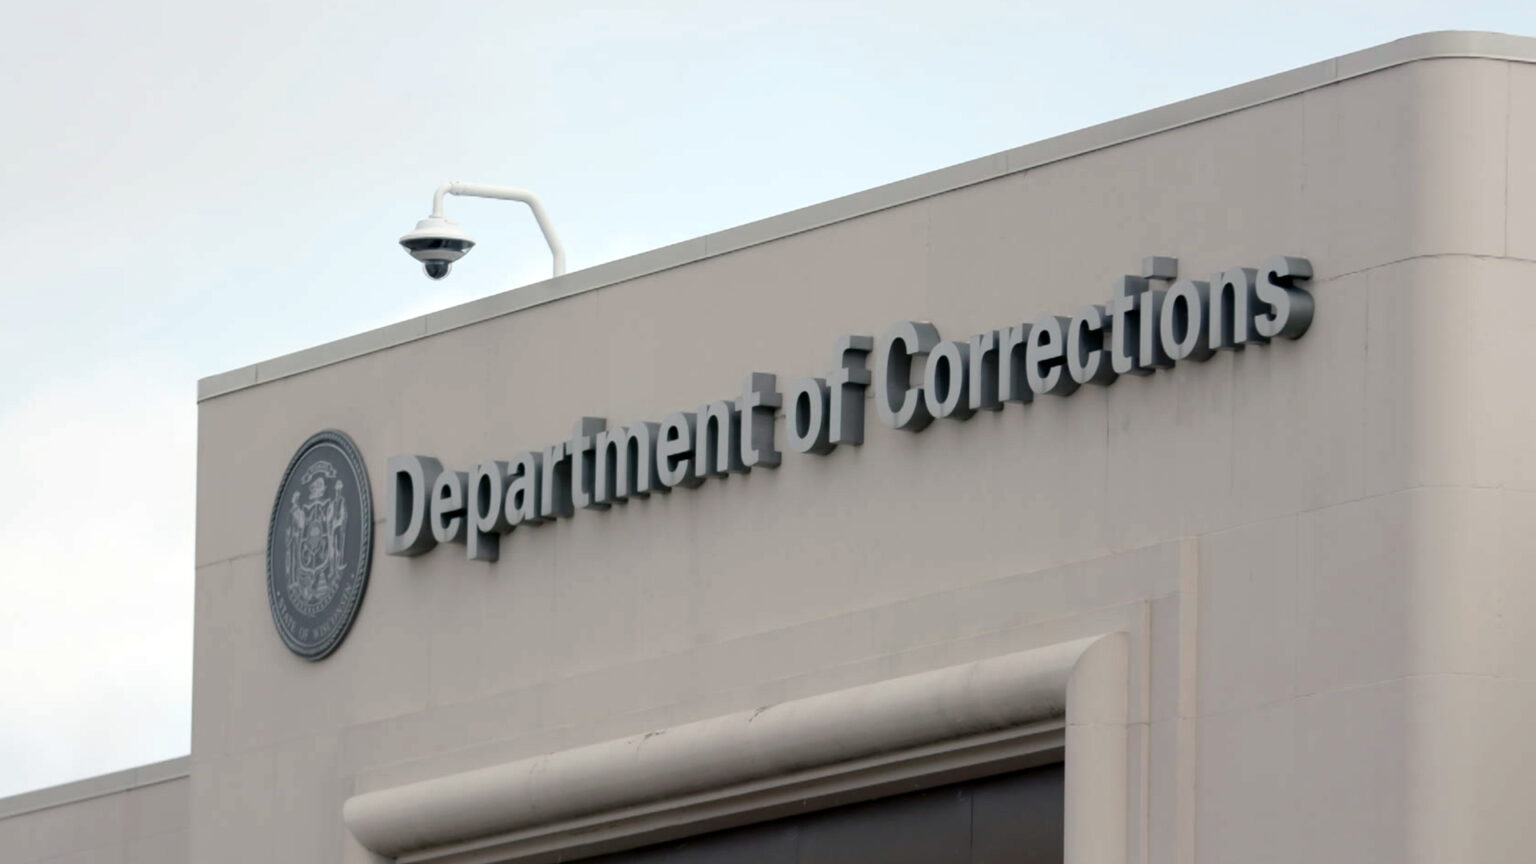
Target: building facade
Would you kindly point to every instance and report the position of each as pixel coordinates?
(1161, 492)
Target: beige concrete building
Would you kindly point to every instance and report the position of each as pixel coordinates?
(1270, 605)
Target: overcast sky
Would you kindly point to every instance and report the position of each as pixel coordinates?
(188, 187)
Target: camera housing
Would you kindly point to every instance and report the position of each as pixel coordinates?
(437, 243)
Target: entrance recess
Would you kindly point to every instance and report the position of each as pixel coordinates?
(1060, 703)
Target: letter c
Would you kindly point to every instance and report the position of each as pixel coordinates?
(899, 404)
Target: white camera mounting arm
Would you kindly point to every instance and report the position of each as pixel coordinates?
(505, 193)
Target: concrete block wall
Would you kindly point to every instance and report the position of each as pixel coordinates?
(138, 816)
(1317, 546)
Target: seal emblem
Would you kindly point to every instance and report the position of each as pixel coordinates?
(319, 545)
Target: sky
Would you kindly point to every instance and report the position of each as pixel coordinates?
(191, 187)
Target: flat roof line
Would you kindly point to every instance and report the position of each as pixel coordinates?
(1425, 46)
(96, 787)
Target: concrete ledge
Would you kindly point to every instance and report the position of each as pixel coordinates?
(96, 787)
(936, 727)
(1426, 46)
(335, 352)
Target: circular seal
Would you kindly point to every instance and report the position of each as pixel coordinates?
(319, 545)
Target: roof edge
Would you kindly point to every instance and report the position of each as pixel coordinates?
(99, 786)
(1444, 44)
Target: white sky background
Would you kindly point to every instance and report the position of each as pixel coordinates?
(188, 187)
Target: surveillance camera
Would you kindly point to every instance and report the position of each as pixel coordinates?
(437, 243)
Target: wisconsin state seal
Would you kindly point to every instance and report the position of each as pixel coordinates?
(319, 545)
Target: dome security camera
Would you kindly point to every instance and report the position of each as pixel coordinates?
(437, 243)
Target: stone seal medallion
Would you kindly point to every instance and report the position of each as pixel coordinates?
(319, 545)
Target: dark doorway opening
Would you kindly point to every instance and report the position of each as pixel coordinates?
(1013, 818)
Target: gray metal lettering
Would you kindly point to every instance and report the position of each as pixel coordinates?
(1141, 328)
(447, 509)
(555, 496)
(1045, 361)
(1154, 353)
(848, 383)
(1182, 322)
(1087, 361)
(1149, 315)
(607, 448)
(1290, 305)
(1012, 383)
(946, 381)
(584, 461)
(487, 520)
(523, 481)
(411, 479)
(717, 452)
(674, 451)
(759, 401)
(1233, 296)
(1124, 325)
(626, 463)
(809, 407)
(899, 404)
(982, 394)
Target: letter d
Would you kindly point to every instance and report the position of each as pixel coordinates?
(410, 482)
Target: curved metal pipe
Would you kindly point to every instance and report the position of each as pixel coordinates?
(506, 193)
